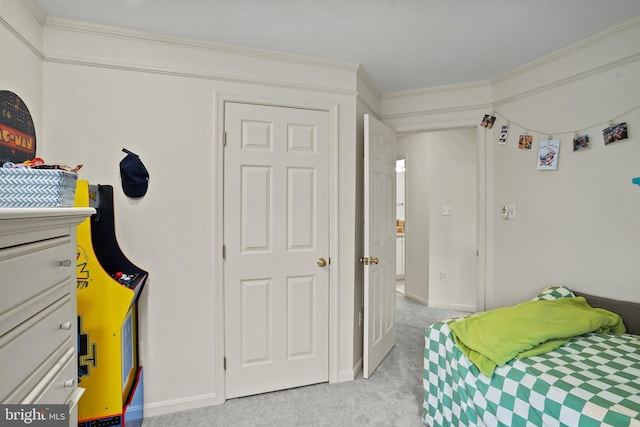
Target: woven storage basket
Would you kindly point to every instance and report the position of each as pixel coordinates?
(37, 188)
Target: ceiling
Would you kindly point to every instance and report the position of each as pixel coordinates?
(400, 44)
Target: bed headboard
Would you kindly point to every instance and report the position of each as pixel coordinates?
(629, 311)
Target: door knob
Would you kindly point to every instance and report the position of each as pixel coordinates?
(322, 262)
(374, 260)
(364, 260)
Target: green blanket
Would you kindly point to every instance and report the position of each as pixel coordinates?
(494, 337)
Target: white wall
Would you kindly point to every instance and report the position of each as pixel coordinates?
(21, 72)
(173, 122)
(101, 89)
(416, 226)
(441, 170)
(577, 225)
(452, 164)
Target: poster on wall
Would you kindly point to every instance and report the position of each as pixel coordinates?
(615, 133)
(548, 154)
(17, 132)
(580, 142)
(525, 142)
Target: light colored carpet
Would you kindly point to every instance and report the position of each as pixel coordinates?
(392, 396)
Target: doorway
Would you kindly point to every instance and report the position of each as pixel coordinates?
(400, 222)
(441, 263)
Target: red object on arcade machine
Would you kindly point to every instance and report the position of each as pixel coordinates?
(109, 286)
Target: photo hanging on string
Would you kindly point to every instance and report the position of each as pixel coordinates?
(525, 142)
(615, 133)
(548, 154)
(580, 142)
(504, 134)
(487, 121)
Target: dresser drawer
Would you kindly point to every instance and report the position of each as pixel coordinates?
(26, 351)
(59, 384)
(33, 276)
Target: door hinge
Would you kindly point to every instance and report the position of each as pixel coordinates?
(224, 362)
(224, 251)
(224, 139)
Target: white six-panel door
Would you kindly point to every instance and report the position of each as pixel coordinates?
(379, 243)
(276, 237)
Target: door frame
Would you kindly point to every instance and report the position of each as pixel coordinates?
(219, 101)
(403, 156)
(484, 227)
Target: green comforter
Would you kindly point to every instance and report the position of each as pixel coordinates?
(494, 337)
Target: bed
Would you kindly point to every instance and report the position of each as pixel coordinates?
(593, 379)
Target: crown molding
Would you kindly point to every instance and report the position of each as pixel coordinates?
(34, 10)
(438, 111)
(134, 35)
(568, 80)
(569, 50)
(366, 80)
(198, 75)
(37, 14)
(436, 126)
(436, 90)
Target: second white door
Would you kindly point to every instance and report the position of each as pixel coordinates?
(276, 221)
(379, 243)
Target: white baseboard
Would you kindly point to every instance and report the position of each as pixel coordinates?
(414, 298)
(448, 306)
(357, 369)
(170, 406)
(347, 374)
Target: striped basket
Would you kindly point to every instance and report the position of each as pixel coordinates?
(37, 188)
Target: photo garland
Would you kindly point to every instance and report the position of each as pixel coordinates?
(549, 149)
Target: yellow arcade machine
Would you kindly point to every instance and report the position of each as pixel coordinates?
(108, 289)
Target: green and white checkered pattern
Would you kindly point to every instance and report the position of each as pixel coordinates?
(594, 380)
(554, 292)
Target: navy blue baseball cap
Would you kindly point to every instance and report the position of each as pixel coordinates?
(135, 178)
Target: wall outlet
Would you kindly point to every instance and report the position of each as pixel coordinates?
(509, 212)
(445, 210)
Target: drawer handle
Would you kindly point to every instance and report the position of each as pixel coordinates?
(65, 263)
(66, 326)
(69, 383)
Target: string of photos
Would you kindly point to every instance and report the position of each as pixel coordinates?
(549, 149)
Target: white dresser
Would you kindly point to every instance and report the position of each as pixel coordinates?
(38, 314)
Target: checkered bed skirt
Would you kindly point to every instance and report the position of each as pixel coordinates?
(593, 380)
(36, 188)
